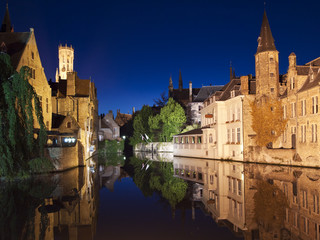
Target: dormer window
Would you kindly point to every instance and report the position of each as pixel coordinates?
(232, 93)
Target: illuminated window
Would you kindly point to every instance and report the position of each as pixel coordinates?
(314, 129)
(315, 105)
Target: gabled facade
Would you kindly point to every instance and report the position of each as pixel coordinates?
(23, 51)
(108, 128)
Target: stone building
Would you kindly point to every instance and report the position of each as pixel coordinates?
(23, 51)
(77, 98)
(298, 90)
(108, 128)
(223, 119)
(191, 99)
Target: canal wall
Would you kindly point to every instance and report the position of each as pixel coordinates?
(280, 156)
(64, 158)
(154, 147)
(158, 157)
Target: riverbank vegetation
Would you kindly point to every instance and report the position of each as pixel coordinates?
(161, 127)
(21, 146)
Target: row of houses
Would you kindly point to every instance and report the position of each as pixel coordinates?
(226, 120)
(69, 105)
(256, 201)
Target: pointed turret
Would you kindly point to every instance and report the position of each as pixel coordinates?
(267, 62)
(170, 84)
(180, 81)
(6, 23)
(265, 40)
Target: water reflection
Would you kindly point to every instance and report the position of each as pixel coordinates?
(54, 206)
(253, 201)
(257, 201)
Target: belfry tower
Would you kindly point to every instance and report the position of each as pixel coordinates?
(66, 57)
(267, 62)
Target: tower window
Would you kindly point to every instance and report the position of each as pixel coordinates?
(32, 55)
(271, 74)
(272, 89)
(271, 59)
(68, 124)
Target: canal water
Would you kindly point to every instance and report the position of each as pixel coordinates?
(161, 197)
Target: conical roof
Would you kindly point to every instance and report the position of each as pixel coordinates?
(265, 40)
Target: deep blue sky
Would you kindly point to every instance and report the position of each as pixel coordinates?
(130, 47)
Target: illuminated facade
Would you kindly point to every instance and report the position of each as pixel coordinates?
(23, 51)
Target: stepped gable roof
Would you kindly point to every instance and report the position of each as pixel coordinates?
(192, 132)
(265, 40)
(205, 92)
(14, 45)
(311, 84)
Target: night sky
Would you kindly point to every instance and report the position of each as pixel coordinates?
(129, 48)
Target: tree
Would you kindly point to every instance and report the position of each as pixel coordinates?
(267, 120)
(162, 101)
(169, 122)
(19, 146)
(141, 126)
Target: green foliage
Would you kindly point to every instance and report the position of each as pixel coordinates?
(158, 177)
(17, 98)
(190, 127)
(111, 159)
(141, 125)
(40, 164)
(111, 146)
(169, 122)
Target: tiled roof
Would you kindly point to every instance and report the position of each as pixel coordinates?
(205, 92)
(266, 41)
(192, 132)
(15, 44)
(122, 118)
(314, 62)
(304, 70)
(228, 87)
(310, 84)
(82, 87)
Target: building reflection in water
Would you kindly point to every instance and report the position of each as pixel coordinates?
(71, 210)
(256, 201)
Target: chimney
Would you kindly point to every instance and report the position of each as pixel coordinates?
(244, 85)
(190, 91)
(133, 110)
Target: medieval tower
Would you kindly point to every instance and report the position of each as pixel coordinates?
(266, 62)
(66, 56)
